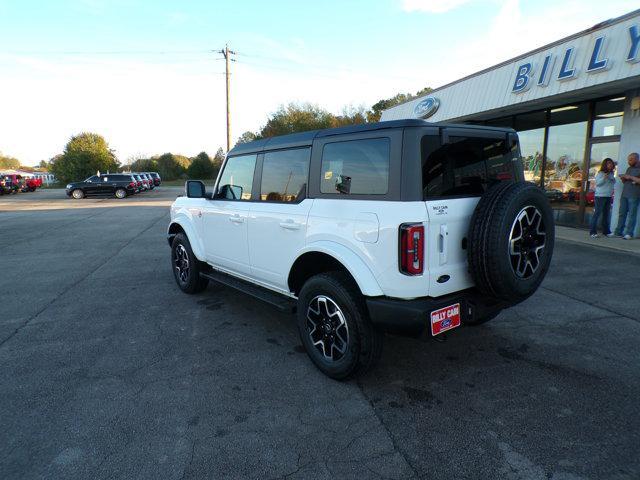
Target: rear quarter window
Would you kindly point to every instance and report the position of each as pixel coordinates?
(465, 166)
(356, 167)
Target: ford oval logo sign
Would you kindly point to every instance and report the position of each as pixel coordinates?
(427, 107)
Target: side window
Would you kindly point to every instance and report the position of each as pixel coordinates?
(105, 179)
(284, 175)
(95, 178)
(237, 178)
(464, 166)
(356, 167)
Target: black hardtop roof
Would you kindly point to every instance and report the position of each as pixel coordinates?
(304, 139)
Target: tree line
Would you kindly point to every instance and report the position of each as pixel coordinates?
(88, 153)
(295, 118)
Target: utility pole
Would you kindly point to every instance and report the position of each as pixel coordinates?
(227, 57)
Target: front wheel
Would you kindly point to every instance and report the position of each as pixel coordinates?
(334, 326)
(186, 268)
(77, 194)
(121, 193)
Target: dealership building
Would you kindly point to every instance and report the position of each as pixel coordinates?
(573, 102)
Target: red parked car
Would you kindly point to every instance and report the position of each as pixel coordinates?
(31, 183)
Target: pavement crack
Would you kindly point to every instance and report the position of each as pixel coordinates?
(591, 304)
(188, 465)
(392, 439)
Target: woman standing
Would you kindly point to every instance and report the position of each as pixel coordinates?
(605, 180)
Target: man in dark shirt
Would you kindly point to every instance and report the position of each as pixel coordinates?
(630, 198)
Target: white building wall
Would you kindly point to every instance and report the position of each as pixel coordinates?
(492, 89)
(629, 142)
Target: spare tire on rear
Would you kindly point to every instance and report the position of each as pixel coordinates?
(511, 239)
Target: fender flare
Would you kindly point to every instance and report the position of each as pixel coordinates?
(195, 241)
(358, 269)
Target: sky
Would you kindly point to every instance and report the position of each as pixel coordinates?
(147, 74)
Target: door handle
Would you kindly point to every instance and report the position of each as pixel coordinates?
(236, 219)
(443, 240)
(290, 225)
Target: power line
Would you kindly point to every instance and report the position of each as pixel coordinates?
(104, 52)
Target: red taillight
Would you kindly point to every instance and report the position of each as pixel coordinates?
(412, 248)
(132, 184)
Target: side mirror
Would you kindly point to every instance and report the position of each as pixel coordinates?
(230, 192)
(195, 189)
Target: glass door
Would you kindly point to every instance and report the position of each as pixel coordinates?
(598, 151)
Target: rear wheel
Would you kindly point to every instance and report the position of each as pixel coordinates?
(77, 194)
(185, 265)
(121, 193)
(334, 326)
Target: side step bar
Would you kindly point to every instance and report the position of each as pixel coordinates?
(281, 302)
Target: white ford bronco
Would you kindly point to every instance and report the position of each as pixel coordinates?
(405, 227)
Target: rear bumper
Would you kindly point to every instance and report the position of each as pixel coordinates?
(412, 317)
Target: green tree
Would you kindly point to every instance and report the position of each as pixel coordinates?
(350, 116)
(9, 162)
(183, 162)
(217, 162)
(247, 137)
(84, 155)
(376, 110)
(296, 118)
(201, 167)
(144, 165)
(169, 167)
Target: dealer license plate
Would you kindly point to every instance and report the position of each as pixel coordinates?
(445, 319)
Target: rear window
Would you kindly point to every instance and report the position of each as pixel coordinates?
(466, 166)
(356, 167)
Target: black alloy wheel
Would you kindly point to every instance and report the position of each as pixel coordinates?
(334, 326)
(186, 267)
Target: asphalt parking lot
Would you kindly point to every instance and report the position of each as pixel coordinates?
(107, 370)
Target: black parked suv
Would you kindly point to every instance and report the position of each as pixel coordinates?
(113, 184)
(5, 185)
(156, 178)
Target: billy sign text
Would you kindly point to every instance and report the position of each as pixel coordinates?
(598, 61)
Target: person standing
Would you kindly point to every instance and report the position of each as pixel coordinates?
(605, 180)
(630, 198)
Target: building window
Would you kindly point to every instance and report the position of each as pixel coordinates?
(565, 159)
(531, 128)
(608, 117)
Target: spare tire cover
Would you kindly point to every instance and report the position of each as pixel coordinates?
(511, 238)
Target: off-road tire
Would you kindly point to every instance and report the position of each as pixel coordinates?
(491, 234)
(364, 342)
(193, 283)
